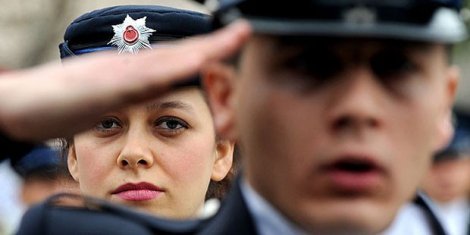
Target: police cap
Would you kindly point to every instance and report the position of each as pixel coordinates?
(41, 158)
(129, 28)
(418, 20)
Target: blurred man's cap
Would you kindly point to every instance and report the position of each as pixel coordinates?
(418, 20)
(459, 147)
(41, 158)
(130, 28)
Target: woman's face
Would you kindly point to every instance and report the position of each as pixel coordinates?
(159, 156)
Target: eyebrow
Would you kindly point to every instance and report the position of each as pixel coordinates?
(170, 105)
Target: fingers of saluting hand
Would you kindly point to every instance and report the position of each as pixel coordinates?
(184, 58)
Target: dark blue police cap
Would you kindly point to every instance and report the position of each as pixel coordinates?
(39, 158)
(418, 20)
(459, 146)
(130, 28)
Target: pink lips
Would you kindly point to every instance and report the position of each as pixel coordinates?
(137, 192)
(354, 174)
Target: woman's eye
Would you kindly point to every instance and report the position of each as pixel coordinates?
(108, 124)
(171, 124)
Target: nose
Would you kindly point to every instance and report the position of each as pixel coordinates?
(136, 153)
(357, 102)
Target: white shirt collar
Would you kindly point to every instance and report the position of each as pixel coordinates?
(267, 219)
(411, 219)
(455, 215)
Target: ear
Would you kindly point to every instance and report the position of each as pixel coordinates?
(223, 159)
(72, 163)
(218, 81)
(445, 125)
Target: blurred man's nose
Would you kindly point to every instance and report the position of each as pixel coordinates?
(356, 103)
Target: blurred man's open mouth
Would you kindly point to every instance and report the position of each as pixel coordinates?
(352, 174)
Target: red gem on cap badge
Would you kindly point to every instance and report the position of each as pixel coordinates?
(132, 35)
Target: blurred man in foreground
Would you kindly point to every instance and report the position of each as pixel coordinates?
(338, 107)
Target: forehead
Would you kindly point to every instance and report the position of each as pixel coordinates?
(340, 43)
(192, 96)
(188, 99)
(271, 50)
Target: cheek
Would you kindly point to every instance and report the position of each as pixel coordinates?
(190, 162)
(275, 124)
(94, 165)
(414, 133)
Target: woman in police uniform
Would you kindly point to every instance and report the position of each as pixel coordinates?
(162, 156)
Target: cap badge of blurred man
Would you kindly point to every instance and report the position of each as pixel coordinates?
(132, 35)
(360, 15)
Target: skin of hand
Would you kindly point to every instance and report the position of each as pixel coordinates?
(59, 100)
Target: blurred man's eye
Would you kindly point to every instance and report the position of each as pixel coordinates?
(317, 64)
(392, 65)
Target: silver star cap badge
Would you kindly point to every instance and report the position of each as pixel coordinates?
(132, 35)
(360, 15)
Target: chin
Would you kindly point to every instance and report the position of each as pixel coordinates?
(349, 225)
(348, 218)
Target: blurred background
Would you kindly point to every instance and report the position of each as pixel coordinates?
(33, 29)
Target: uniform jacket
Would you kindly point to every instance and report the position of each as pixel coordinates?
(235, 218)
(101, 217)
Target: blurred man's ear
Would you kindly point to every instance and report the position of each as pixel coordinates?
(446, 127)
(219, 83)
(446, 130)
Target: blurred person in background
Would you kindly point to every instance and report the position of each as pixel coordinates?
(448, 181)
(43, 172)
(36, 27)
(30, 179)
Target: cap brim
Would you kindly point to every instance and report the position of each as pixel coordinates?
(445, 27)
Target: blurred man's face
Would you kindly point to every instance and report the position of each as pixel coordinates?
(448, 180)
(336, 134)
